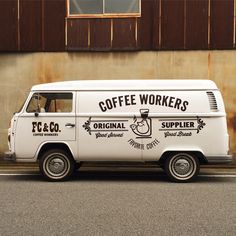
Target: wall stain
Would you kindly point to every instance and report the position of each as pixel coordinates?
(46, 71)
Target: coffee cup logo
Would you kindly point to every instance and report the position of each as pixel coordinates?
(142, 127)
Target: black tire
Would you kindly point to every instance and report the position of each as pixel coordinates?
(56, 165)
(77, 165)
(182, 167)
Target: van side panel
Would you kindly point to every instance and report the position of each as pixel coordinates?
(142, 125)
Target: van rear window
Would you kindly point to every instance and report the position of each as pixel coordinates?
(50, 102)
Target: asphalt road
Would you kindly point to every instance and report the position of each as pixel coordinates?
(117, 203)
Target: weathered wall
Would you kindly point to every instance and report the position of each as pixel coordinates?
(18, 72)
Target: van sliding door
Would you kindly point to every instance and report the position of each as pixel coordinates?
(109, 126)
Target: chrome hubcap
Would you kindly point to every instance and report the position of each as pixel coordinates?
(56, 165)
(182, 166)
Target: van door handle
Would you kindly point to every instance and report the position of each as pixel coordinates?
(69, 125)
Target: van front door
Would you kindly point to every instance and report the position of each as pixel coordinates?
(49, 117)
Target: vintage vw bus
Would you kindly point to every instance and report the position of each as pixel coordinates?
(178, 124)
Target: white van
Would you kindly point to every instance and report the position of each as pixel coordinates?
(179, 124)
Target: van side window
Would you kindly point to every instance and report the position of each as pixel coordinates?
(50, 102)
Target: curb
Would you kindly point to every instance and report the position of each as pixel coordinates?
(12, 165)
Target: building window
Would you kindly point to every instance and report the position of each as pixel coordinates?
(104, 8)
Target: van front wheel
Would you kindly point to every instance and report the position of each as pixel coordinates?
(56, 165)
(182, 167)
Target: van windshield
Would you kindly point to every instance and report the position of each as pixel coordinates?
(21, 107)
(50, 102)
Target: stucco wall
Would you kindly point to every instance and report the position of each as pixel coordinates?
(18, 72)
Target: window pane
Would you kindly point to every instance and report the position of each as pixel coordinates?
(86, 7)
(36, 103)
(121, 6)
(50, 102)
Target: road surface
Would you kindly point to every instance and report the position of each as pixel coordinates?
(117, 203)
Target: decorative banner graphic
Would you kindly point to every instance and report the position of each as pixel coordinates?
(181, 127)
(106, 128)
(141, 127)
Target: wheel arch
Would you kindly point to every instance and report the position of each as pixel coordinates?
(53, 145)
(198, 153)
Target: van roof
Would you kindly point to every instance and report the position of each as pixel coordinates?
(102, 85)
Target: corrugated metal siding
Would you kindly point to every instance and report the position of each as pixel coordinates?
(196, 24)
(78, 34)
(42, 25)
(54, 14)
(172, 24)
(100, 34)
(146, 25)
(124, 34)
(156, 24)
(222, 22)
(8, 25)
(30, 25)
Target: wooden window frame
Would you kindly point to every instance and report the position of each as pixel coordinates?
(103, 15)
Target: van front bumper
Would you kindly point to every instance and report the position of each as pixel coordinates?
(226, 159)
(9, 156)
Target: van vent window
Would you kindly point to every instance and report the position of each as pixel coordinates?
(212, 101)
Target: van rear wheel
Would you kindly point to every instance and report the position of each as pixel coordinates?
(182, 167)
(56, 165)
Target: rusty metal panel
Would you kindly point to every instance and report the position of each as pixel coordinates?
(196, 24)
(8, 25)
(172, 24)
(148, 24)
(78, 34)
(100, 34)
(221, 24)
(124, 34)
(30, 25)
(54, 13)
